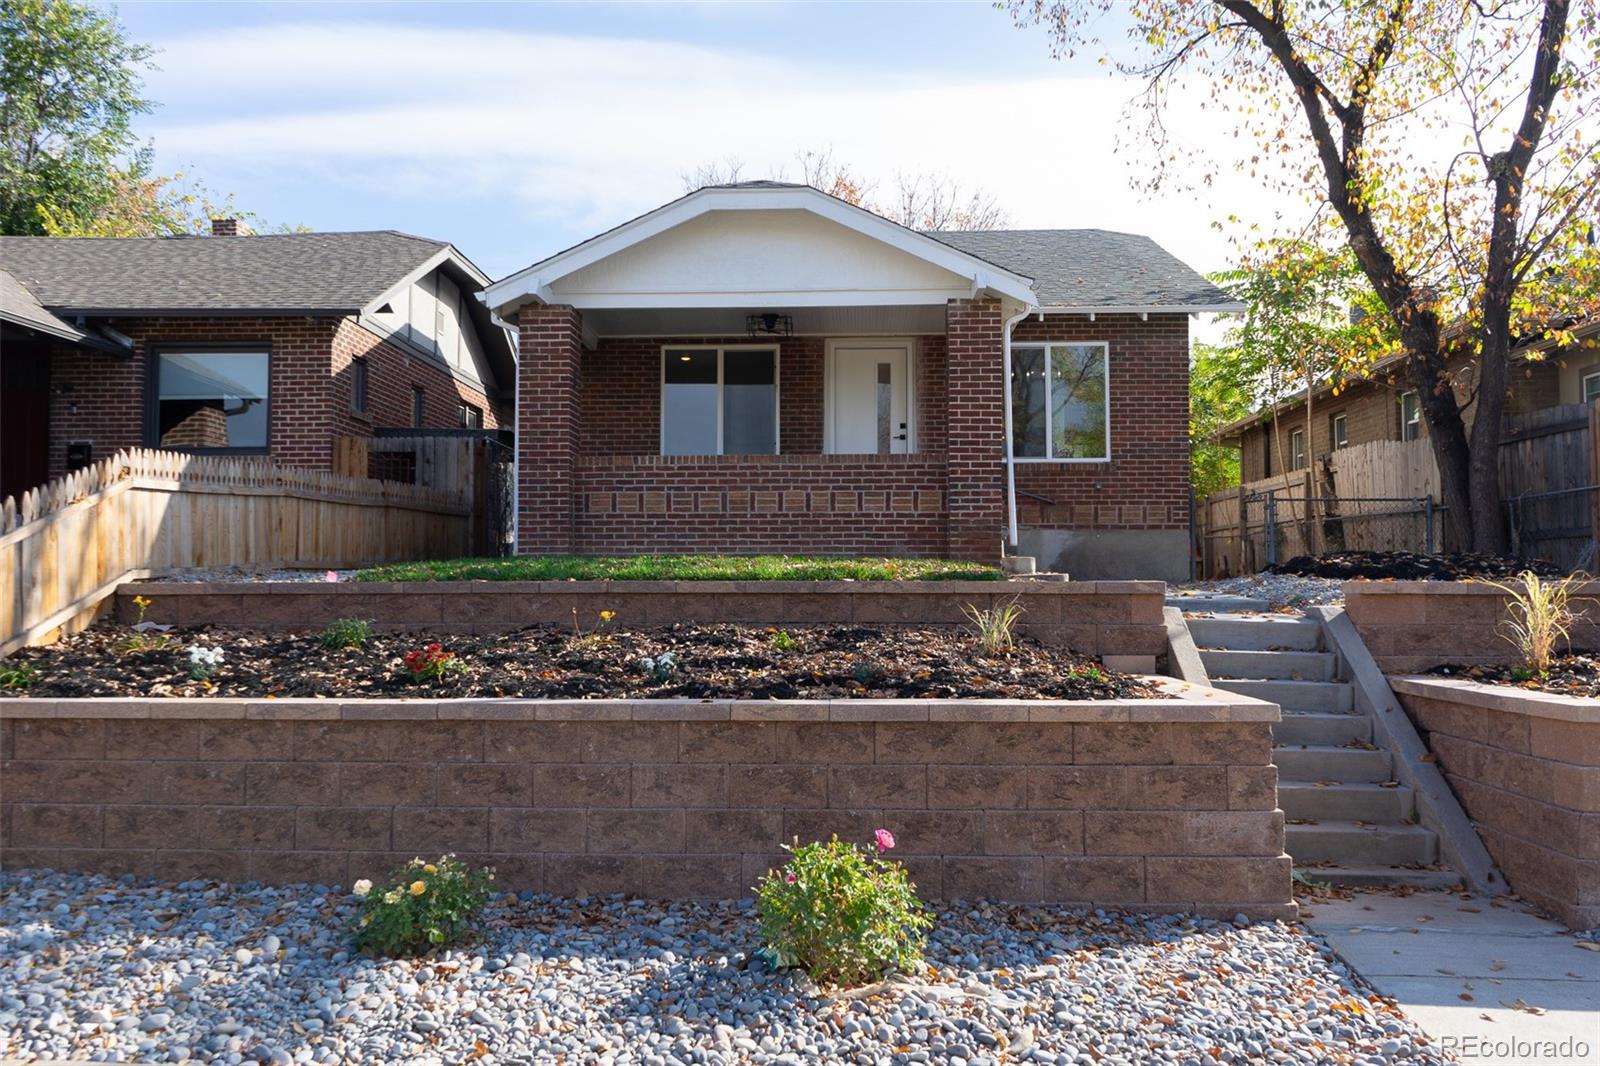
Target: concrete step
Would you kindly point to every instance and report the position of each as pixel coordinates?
(1217, 602)
(1284, 665)
(1257, 633)
(1344, 843)
(1428, 880)
(1336, 696)
(1358, 801)
(1331, 764)
(1320, 729)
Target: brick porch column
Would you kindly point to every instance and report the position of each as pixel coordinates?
(974, 452)
(549, 339)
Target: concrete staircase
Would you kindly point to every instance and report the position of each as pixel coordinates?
(1348, 821)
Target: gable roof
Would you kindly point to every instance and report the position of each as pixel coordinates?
(18, 306)
(1094, 269)
(533, 283)
(283, 273)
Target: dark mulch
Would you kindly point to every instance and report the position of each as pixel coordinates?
(1577, 674)
(1410, 566)
(712, 661)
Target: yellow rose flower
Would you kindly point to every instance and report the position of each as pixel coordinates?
(418, 887)
(430, 868)
(392, 896)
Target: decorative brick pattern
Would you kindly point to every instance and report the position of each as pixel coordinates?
(102, 398)
(1526, 767)
(1121, 618)
(569, 798)
(1412, 626)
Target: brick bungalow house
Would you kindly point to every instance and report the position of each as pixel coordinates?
(1384, 405)
(763, 367)
(237, 344)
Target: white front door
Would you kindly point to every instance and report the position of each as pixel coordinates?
(869, 398)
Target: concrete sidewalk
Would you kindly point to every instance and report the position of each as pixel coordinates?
(1467, 970)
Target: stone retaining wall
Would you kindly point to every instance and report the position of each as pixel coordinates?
(1120, 621)
(1526, 766)
(1146, 804)
(1411, 626)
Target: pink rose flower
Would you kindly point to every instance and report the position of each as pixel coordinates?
(331, 575)
(788, 877)
(884, 839)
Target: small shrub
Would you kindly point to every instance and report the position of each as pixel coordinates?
(346, 633)
(17, 675)
(431, 663)
(204, 662)
(995, 626)
(426, 905)
(660, 668)
(1538, 617)
(782, 641)
(843, 915)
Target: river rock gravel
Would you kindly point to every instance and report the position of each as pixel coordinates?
(118, 970)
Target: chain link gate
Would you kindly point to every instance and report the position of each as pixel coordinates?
(1276, 528)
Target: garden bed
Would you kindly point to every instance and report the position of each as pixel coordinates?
(686, 661)
(150, 971)
(1575, 675)
(1411, 566)
(683, 568)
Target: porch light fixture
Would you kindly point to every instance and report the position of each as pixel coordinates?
(769, 324)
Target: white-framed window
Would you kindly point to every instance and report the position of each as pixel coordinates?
(719, 400)
(1410, 416)
(1297, 450)
(1061, 402)
(1591, 386)
(1339, 431)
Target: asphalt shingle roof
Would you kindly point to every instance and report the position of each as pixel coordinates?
(1090, 267)
(310, 272)
(18, 305)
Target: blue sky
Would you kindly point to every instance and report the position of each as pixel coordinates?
(515, 130)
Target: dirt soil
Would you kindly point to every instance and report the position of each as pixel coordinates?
(1410, 566)
(707, 661)
(1577, 674)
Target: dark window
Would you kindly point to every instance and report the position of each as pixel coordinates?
(1340, 431)
(1266, 453)
(358, 386)
(469, 416)
(211, 400)
(418, 405)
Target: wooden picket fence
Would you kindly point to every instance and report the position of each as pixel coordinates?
(67, 545)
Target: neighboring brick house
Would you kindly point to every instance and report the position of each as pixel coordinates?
(237, 344)
(1384, 406)
(763, 367)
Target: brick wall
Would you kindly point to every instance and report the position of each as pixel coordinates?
(974, 428)
(672, 801)
(1146, 483)
(392, 372)
(881, 505)
(549, 339)
(102, 398)
(1410, 626)
(1526, 768)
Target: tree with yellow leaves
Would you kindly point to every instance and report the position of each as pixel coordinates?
(1450, 145)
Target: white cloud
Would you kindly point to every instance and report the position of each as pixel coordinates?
(579, 133)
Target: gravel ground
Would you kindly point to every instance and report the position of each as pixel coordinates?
(234, 573)
(110, 970)
(1279, 590)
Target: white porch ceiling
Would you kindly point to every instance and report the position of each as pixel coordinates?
(890, 321)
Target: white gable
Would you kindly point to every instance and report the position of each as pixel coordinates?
(757, 247)
(738, 258)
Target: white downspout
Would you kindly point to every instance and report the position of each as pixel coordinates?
(1011, 462)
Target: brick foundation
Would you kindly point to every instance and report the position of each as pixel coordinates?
(1106, 618)
(1526, 767)
(1411, 626)
(1153, 804)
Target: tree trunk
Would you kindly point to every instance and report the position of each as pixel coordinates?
(1488, 523)
(1447, 433)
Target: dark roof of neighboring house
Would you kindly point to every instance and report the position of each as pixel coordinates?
(282, 273)
(1091, 267)
(19, 306)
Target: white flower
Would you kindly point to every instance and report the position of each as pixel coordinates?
(200, 655)
(361, 887)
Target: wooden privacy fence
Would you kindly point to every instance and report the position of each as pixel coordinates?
(1384, 496)
(476, 466)
(64, 547)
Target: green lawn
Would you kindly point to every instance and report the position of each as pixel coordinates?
(682, 568)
